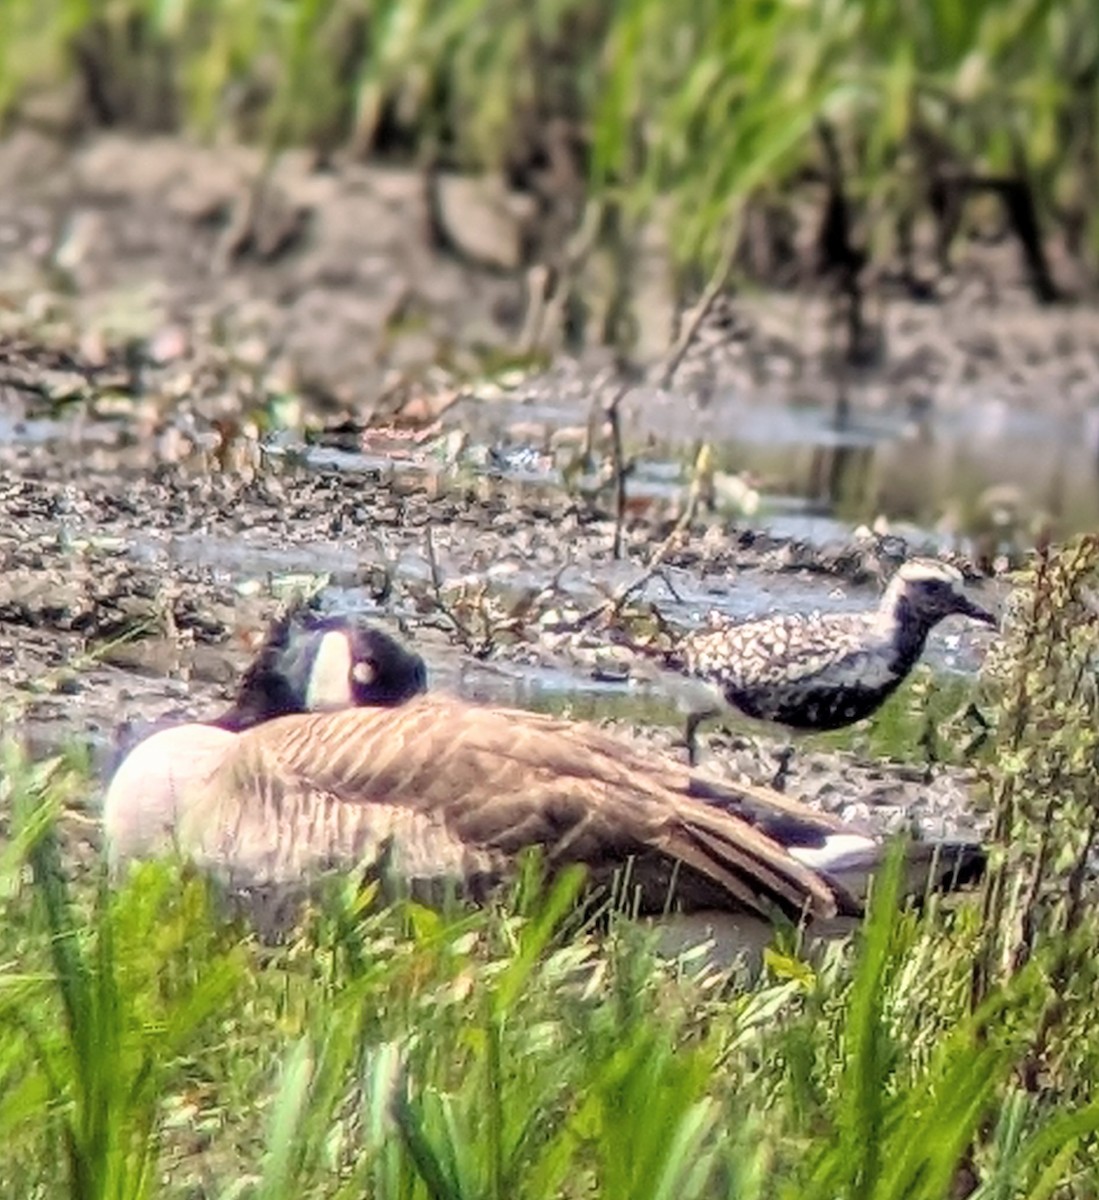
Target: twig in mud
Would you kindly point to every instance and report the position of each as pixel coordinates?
(663, 625)
(432, 561)
(695, 494)
(614, 603)
(656, 559)
(460, 627)
(481, 635)
(621, 469)
(654, 570)
(48, 682)
(20, 383)
(693, 322)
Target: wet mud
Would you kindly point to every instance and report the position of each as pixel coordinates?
(193, 429)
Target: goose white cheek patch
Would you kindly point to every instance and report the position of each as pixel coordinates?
(330, 678)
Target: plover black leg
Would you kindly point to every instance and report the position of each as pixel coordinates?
(690, 735)
(785, 757)
(929, 744)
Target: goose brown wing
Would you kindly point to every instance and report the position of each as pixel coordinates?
(450, 789)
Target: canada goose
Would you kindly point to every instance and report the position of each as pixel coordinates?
(312, 663)
(443, 795)
(820, 670)
(306, 663)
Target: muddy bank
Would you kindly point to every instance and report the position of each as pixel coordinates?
(348, 273)
(132, 597)
(204, 407)
(170, 293)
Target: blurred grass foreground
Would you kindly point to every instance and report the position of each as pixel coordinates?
(149, 1046)
(726, 119)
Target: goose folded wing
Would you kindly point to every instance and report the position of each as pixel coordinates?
(446, 790)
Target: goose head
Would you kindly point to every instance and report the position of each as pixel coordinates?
(306, 663)
(924, 591)
(310, 663)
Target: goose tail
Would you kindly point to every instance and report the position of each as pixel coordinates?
(845, 856)
(757, 870)
(852, 860)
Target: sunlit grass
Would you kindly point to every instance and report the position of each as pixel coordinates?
(151, 1049)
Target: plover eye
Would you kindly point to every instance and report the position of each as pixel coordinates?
(364, 672)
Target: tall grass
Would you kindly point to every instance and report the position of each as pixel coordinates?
(96, 1025)
(698, 110)
(150, 1046)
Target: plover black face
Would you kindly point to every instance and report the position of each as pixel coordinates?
(926, 591)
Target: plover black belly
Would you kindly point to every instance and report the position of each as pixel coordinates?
(808, 672)
(824, 671)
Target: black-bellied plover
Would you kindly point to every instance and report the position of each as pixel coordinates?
(439, 796)
(306, 663)
(821, 671)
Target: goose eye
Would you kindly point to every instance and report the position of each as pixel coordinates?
(364, 672)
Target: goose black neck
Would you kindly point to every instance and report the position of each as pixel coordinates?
(263, 695)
